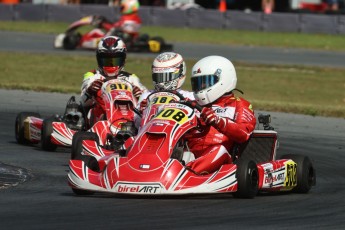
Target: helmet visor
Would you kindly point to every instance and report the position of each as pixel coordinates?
(165, 77)
(111, 61)
(203, 82)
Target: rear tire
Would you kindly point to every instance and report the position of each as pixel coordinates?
(306, 176)
(77, 148)
(247, 179)
(19, 126)
(47, 130)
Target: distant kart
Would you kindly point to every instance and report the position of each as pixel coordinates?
(58, 130)
(73, 39)
(154, 161)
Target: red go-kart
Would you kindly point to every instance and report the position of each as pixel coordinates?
(57, 130)
(153, 162)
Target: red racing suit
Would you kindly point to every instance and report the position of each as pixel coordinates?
(128, 23)
(212, 144)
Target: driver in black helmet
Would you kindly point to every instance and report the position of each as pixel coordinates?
(111, 57)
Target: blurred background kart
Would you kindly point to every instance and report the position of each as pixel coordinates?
(73, 38)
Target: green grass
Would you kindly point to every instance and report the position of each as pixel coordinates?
(305, 90)
(212, 36)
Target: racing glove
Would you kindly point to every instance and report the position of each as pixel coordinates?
(137, 91)
(143, 105)
(211, 118)
(94, 87)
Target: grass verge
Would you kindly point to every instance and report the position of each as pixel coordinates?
(293, 89)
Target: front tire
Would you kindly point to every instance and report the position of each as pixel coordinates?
(19, 126)
(247, 179)
(77, 148)
(306, 176)
(47, 130)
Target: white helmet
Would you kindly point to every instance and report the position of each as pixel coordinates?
(168, 71)
(212, 77)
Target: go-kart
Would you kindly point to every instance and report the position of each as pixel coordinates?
(58, 130)
(153, 162)
(73, 39)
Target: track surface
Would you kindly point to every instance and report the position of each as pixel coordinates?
(45, 201)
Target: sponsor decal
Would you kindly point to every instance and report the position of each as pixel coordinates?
(138, 188)
(291, 174)
(35, 133)
(270, 179)
(161, 122)
(224, 112)
(142, 166)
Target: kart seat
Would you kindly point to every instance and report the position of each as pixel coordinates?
(261, 147)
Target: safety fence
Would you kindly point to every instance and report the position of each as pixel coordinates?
(191, 18)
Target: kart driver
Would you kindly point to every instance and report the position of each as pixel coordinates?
(129, 23)
(229, 119)
(168, 73)
(111, 57)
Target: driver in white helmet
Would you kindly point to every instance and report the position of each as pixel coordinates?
(168, 74)
(229, 119)
(111, 57)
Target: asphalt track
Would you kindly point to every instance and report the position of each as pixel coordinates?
(43, 200)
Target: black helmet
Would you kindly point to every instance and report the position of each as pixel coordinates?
(111, 56)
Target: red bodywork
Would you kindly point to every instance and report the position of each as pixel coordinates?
(118, 102)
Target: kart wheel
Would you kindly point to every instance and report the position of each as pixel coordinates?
(47, 130)
(81, 192)
(306, 176)
(19, 126)
(77, 149)
(71, 41)
(247, 179)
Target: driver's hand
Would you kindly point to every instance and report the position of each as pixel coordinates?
(209, 116)
(94, 87)
(137, 91)
(143, 105)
